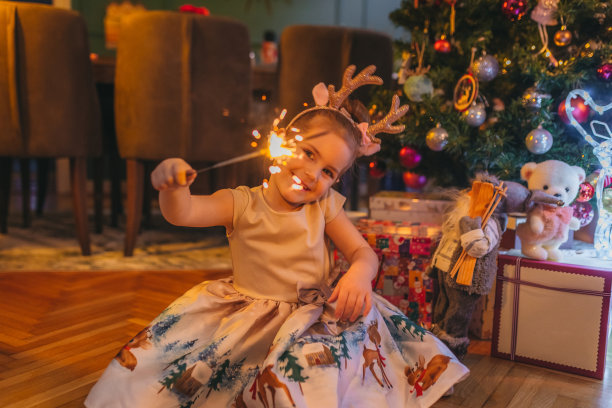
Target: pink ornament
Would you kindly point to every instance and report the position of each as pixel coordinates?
(409, 157)
(514, 9)
(414, 180)
(586, 192)
(584, 212)
(604, 72)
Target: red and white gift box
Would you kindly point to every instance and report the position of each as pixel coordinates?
(552, 315)
(409, 207)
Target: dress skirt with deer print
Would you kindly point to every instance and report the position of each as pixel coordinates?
(216, 346)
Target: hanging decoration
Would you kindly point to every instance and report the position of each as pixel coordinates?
(418, 84)
(514, 9)
(452, 3)
(545, 14)
(475, 115)
(404, 70)
(532, 98)
(604, 72)
(436, 138)
(485, 68)
(563, 37)
(580, 111)
(584, 212)
(414, 180)
(377, 169)
(539, 140)
(466, 89)
(600, 138)
(409, 157)
(586, 192)
(442, 45)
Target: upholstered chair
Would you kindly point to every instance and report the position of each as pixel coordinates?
(182, 89)
(48, 103)
(310, 54)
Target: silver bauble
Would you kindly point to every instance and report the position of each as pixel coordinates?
(475, 115)
(416, 86)
(532, 98)
(485, 68)
(539, 140)
(436, 138)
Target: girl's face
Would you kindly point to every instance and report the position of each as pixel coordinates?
(310, 172)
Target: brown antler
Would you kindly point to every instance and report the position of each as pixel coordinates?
(349, 84)
(385, 125)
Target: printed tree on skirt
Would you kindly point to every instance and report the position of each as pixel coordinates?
(542, 53)
(290, 366)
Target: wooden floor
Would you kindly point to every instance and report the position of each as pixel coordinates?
(59, 330)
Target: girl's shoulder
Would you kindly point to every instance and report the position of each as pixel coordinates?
(331, 204)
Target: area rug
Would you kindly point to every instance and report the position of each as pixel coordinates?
(50, 244)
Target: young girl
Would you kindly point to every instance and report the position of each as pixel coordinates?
(275, 334)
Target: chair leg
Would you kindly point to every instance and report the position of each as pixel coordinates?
(42, 178)
(147, 197)
(78, 178)
(115, 178)
(6, 164)
(25, 192)
(135, 190)
(98, 179)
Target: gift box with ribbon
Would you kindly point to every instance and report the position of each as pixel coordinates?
(404, 251)
(552, 315)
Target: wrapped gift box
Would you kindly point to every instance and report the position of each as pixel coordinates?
(409, 207)
(552, 315)
(404, 251)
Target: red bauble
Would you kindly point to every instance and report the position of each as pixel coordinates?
(605, 71)
(514, 9)
(442, 45)
(580, 113)
(377, 169)
(409, 157)
(414, 180)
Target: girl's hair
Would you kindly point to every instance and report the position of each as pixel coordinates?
(338, 123)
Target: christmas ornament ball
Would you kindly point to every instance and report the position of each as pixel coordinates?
(586, 192)
(475, 115)
(514, 9)
(562, 38)
(436, 138)
(539, 140)
(532, 98)
(416, 86)
(604, 72)
(485, 68)
(377, 169)
(414, 180)
(409, 157)
(580, 111)
(584, 212)
(442, 45)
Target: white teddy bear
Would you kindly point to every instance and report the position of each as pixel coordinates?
(547, 226)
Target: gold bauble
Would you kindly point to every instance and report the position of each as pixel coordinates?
(563, 38)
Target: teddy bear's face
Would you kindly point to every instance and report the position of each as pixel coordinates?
(554, 177)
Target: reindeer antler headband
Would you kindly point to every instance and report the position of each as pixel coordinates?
(328, 98)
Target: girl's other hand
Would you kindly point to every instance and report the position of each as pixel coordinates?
(171, 174)
(353, 294)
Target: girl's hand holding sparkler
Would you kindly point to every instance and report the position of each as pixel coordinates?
(171, 174)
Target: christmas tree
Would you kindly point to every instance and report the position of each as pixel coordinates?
(486, 82)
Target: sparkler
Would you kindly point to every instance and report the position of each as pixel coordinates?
(277, 148)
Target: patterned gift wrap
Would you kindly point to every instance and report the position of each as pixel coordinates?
(404, 251)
